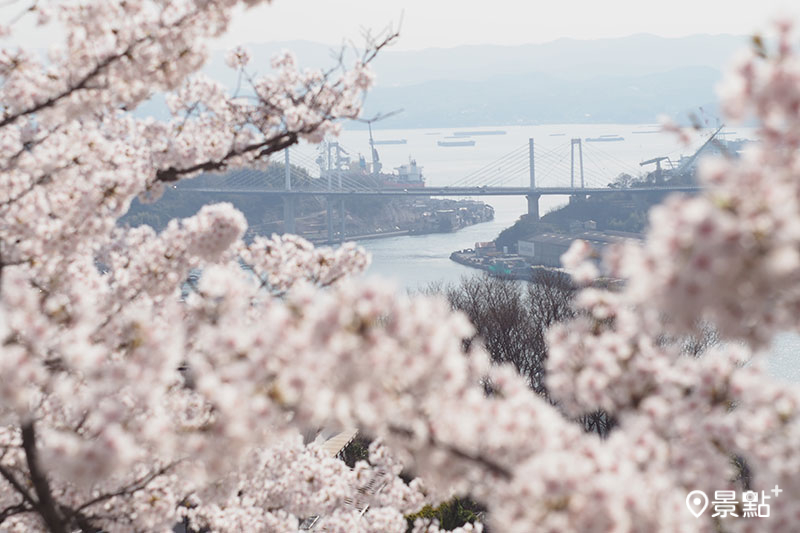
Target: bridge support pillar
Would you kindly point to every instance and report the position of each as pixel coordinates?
(289, 225)
(575, 198)
(342, 219)
(329, 217)
(533, 205)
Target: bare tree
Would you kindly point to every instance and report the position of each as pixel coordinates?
(511, 317)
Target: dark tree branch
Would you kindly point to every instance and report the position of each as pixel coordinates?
(282, 140)
(81, 84)
(267, 147)
(489, 464)
(20, 508)
(47, 507)
(86, 79)
(12, 480)
(481, 460)
(130, 489)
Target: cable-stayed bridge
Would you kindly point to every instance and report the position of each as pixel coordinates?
(573, 169)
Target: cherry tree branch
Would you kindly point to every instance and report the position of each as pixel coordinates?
(12, 480)
(12, 510)
(267, 147)
(480, 460)
(46, 506)
(285, 139)
(134, 487)
(81, 84)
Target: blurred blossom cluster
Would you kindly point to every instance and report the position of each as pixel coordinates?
(125, 406)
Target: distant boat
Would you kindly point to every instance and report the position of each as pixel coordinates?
(557, 134)
(604, 138)
(474, 133)
(391, 141)
(468, 142)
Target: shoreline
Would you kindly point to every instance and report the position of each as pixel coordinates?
(520, 272)
(387, 234)
(363, 237)
(421, 217)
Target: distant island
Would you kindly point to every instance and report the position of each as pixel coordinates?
(365, 217)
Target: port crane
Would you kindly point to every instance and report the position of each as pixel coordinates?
(684, 164)
(376, 160)
(658, 172)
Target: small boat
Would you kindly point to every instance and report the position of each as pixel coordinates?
(468, 142)
(391, 141)
(604, 138)
(557, 134)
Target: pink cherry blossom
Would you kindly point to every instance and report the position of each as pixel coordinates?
(153, 378)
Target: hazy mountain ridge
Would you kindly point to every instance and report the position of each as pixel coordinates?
(628, 79)
(537, 98)
(566, 58)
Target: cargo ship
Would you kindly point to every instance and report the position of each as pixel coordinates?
(406, 176)
(478, 132)
(336, 165)
(605, 138)
(468, 142)
(392, 141)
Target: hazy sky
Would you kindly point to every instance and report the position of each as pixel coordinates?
(447, 23)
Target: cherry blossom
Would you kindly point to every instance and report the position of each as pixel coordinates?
(157, 378)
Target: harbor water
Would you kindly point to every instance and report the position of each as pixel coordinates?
(413, 262)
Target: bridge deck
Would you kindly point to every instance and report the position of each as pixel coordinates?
(447, 191)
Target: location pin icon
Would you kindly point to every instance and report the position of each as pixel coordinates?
(697, 502)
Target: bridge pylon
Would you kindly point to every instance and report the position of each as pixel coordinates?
(533, 199)
(531, 165)
(572, 162)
